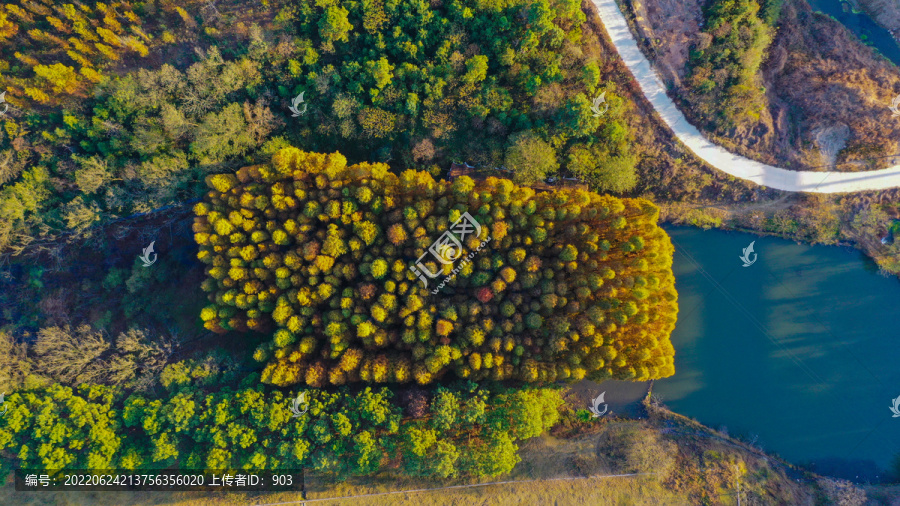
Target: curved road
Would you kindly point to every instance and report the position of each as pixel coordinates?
(717, 156)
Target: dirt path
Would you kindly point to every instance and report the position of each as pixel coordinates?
(717, 156)
(453, 487)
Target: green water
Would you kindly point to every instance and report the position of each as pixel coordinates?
(799, 349)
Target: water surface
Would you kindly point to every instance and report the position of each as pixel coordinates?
(862, 26)
(799, 350)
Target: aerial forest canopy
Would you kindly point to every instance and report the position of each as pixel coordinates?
(561, 285)
(428, 75)
(98, 129)
(724, 66)
(217, 424)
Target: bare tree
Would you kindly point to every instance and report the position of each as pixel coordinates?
(138, 352)
(87, 356)
(70, 357)
(842, 493)
(14, 363)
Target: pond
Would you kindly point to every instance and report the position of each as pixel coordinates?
(798, 351)
(862, 26)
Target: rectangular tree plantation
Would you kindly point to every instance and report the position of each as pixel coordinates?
(567, 284)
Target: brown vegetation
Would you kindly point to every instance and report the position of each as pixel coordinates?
(819, 79)
(820, 76)
(692, 193)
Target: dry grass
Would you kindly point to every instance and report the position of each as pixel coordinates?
(640, 490)
(552, 471)
(596, 490)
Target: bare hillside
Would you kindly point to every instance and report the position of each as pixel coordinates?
(828, 95)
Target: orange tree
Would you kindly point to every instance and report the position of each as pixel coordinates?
(555, 286)
(53, 48)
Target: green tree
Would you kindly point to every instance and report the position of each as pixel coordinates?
(492, 456)
(381, 72)
(444, 410)
(222, 135)
(602, 171)
(476, 69)
(94, 173)
(737, 39)
(334, 25)
(530, 158)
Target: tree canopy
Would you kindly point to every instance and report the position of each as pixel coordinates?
(92, 135)
(556, 286)
(341, 434)
(724, 67)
